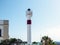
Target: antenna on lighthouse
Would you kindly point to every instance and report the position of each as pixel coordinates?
(29, 14)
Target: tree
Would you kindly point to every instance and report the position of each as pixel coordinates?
(5, 42)
(10, 41)
(47, 41)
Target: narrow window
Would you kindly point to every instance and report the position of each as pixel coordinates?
(0, 32)
(28, 21)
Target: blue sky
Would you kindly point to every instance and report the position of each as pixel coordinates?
(45, 19)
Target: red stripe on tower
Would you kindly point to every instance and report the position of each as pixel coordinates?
(28, 21)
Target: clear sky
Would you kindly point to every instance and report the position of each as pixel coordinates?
(45, 19)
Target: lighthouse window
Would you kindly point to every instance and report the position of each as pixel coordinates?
(28, 21)
(0, 32)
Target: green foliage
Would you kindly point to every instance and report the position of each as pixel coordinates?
(48, 41)
(5, 42)
(10, 41)
(53, 43)
(34, 42)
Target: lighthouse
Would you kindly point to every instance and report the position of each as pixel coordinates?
(29, 15)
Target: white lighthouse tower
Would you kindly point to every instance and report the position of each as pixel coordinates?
(29, 14)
